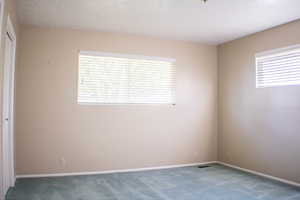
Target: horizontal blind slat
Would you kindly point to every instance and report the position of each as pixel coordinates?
(125, 80)
(277, 69)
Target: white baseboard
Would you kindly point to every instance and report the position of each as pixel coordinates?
(160, 167)
(260, 174)
(113, 171)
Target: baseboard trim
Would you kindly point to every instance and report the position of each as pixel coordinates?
(113, 171)
(260, 174)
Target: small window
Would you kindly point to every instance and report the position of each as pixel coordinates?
(278, 67)
(125, 79)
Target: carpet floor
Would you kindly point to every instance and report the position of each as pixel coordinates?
(188, 183)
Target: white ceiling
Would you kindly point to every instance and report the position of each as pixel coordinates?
(214, 22)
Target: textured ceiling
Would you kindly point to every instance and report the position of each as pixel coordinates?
(214, 22)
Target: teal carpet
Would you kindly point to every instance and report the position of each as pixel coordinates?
(187, 183)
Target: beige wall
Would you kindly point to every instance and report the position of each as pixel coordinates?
(51, 125)
(259, 129)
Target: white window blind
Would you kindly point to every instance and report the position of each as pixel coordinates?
(125, 79)
(278, 67)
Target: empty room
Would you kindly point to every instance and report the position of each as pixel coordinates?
(150, 100)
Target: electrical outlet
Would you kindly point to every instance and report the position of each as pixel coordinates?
(63, 162)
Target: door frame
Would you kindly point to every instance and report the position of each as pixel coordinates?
(10, 32)
(2, 4)
(1, 170)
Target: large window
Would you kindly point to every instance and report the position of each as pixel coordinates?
(278, 67)
(125, 79)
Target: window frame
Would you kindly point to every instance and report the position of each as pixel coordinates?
(270, 53)
(119, 55)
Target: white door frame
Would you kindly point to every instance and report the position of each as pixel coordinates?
(12, 34)
(8, 140)
(1, 17)
(1, 167)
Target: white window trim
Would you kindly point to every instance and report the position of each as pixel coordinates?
(125, 104)
(272, 52)
(141, 57)
(132, 56)
(278, 50)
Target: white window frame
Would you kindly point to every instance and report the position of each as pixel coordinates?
(270, 53)
(132, 56)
